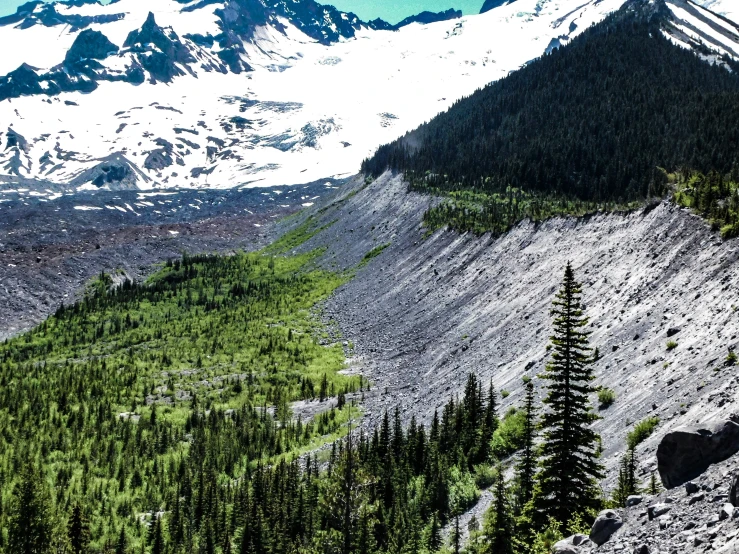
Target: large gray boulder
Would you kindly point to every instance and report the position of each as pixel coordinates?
(686, 452)
(606, 524)
(576, 544)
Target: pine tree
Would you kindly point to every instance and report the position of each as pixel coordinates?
(569, 466)
(29, 521)
(434, 540)
(457, 535)
(500, 533)
(78, 530)
(526, 466)
(157, 540)
(627, 481)
(121, 546)
(490, 422)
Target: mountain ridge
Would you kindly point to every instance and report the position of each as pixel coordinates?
(262, 127)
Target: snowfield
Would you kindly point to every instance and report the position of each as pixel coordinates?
(307, 111)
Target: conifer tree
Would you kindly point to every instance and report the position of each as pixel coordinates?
(78, 530)
(490, 422)
(500, 533)
(457, 535)
(567, 482)
(121, 545)
(434, 540)
(29, 523)
(157, 540)
(526, 466)
(627, 481)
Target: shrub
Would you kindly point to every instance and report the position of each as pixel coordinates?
(606, 397)
(505, 393)
(462, 490)
(641, 431)
(730, 358)
(484, 475)
(671, 345)
(508, 437)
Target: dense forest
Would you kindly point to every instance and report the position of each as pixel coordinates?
(141, 393)
(595, 124)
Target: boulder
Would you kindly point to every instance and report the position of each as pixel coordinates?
(691, 488)
(634, 500)
(686, 452)
(726, 512)
(657, 510)
(576, 544)
(642, 549)
(606, 524)
(734, 490)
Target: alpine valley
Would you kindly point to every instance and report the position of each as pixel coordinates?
(277, 280)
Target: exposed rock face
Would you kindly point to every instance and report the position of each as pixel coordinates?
(21, 82)
(430, 17)
(606, 524)
(687, 452)
(491, 4)
(168, 50)
(40, 13)
(90, 44)
(115, 172)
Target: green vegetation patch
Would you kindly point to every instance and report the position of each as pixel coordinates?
(713, 196)
(128, 398)
(292, 239)
(641, 431)
(480, 212)
(376, 251)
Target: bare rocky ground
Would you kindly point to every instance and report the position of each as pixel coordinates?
(682, 521)
(429, 310)
(49, 249)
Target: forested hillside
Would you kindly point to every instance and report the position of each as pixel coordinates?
(595, 123)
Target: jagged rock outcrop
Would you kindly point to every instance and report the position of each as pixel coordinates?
(687, 452)
(160, 51)
(23, 81)
(90, 44)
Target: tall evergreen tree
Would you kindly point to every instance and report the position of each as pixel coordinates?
(157, 540)
(569, 465)
(500, 533)
(457, 535)
(490, 422)
(434, 540)
(121, 545)
(78, 530)
(29, 523)
(526, 466)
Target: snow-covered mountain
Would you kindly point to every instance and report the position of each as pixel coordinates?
(160, 93)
